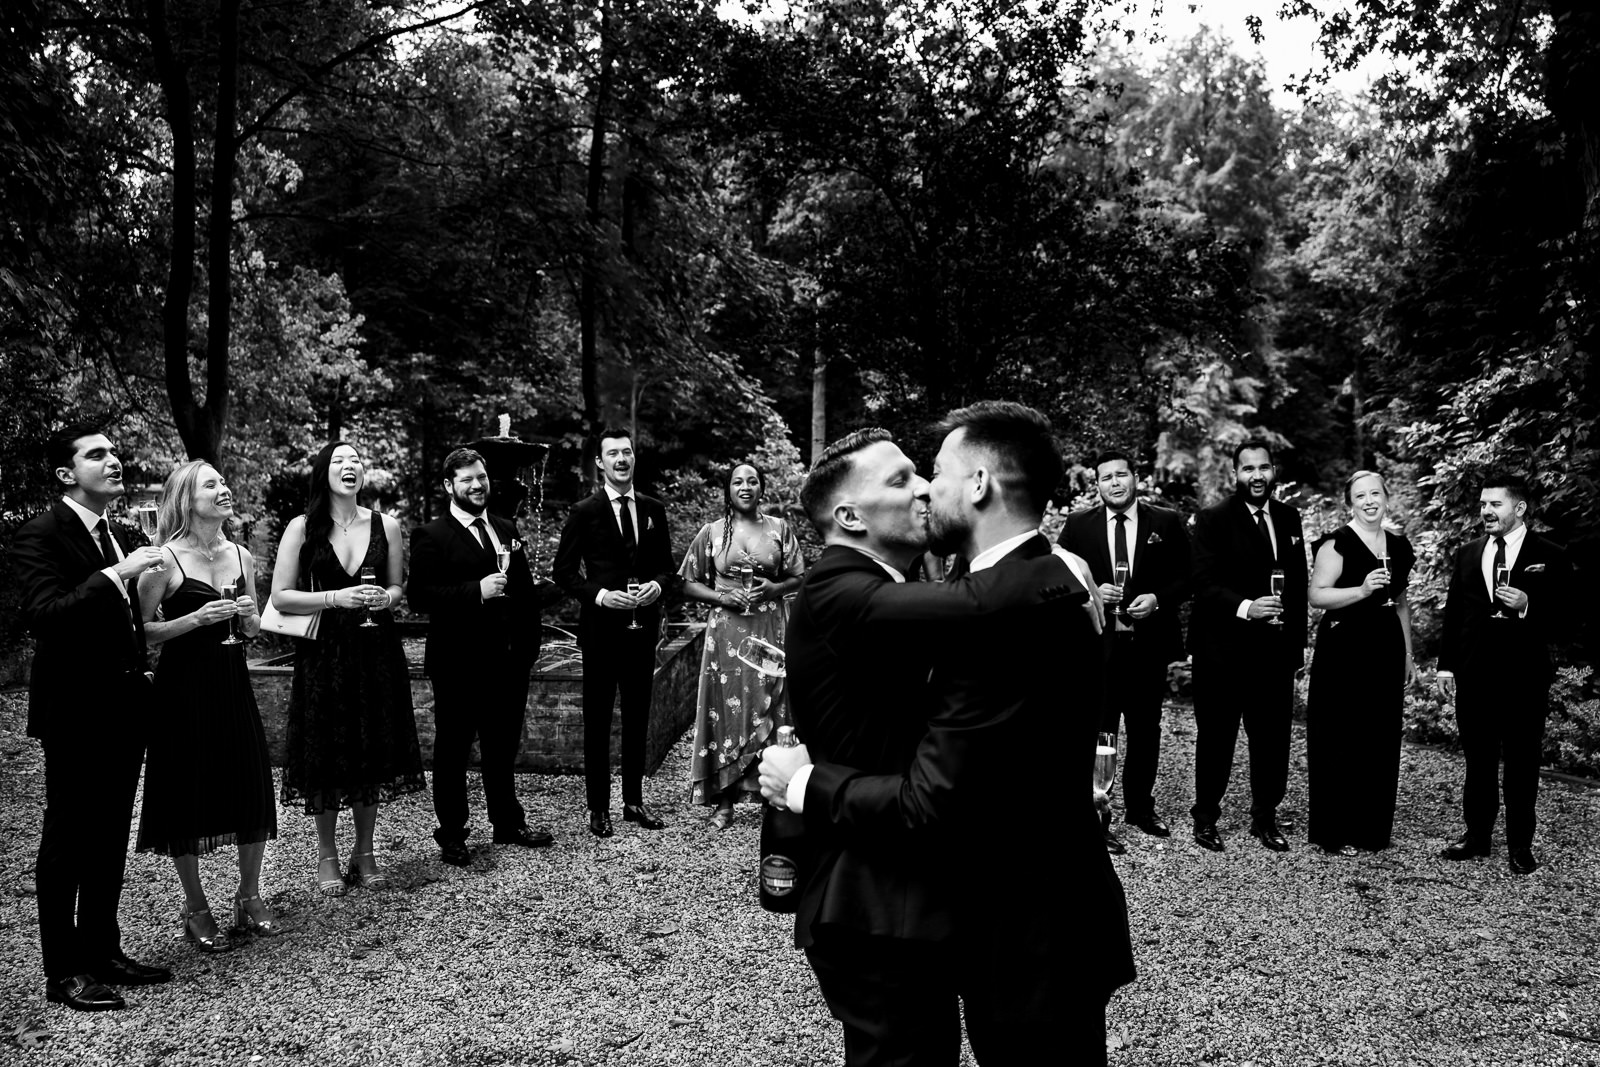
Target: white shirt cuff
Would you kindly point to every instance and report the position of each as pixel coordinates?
(600, 600)
(1444, 674)
(796, 795)
(111, 572)
(1244, 609)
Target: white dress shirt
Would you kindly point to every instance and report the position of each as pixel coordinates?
(92, 522)
(1272, 533)
(1514, 541)
(628, 501)
(466, 519)
(1133, 534)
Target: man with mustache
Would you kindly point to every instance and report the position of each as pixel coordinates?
(483, 639)
(88, 700)
(948, 814)
(1507, 605)
(611, 538)
(1247, 644)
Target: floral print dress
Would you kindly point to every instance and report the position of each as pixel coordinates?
(738, 708)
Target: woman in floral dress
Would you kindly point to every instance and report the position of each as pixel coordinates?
(739, 708)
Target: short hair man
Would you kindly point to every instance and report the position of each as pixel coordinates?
(88, 704)
(1149, 548)
(939, 832)
(1247, 642)
(613, 538)
(483, 638)
(1508, 603)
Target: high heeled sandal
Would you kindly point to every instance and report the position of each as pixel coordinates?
(331, 887)
(722, 819)
(217, 942)
(376, 880)
(244, 922)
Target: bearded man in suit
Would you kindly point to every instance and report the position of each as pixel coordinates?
(88, 703)
(1507, 605)
(611, 539)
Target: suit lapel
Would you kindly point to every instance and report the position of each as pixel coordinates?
(1146, 527)
(77, 536)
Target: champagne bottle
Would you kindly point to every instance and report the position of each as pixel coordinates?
(783, 853)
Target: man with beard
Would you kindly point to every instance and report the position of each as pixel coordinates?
(1247, 643)
(1019, 907)
(483, 638)
(1506, 606)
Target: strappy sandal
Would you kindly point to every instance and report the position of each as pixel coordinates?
(244, 922)
(376, 880)
(217, 942)
(331, 887)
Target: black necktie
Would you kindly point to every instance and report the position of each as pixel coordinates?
(109, 551)
(629, 538)
(1266, 534)
(1121, 540)
(483, 539)
(1499, 563)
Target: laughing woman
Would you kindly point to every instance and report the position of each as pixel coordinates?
(739, 708)
(352, 739)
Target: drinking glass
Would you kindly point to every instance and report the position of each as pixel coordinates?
(633, 590)
(1502, 578)
(1105, 768)
(369, 576)
(1119, 578)
(230, 593)
(502, 562)
(747, 578)
(763, 657)
(147, 515)
(1277, 590)
(1384, 561)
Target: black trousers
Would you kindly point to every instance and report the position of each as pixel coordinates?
(1501, 714)
(1135, 686)
(617, 661)
(89, 786)
(1075, 1033)
(491, 705)
(895, 998)
(1229, 692)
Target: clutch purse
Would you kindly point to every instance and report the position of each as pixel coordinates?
(301, 626)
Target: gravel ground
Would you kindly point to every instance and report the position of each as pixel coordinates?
(650, 948)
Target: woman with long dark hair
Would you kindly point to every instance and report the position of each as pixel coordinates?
(739, 708)
(352, 739)
(208, 778)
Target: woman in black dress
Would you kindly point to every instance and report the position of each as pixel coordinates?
(208, 780)
(1359, 672)
(352, 740)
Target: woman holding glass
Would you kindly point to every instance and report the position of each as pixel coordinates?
(352, 740)
(208, 779)
(743, 564)
(1359, 672)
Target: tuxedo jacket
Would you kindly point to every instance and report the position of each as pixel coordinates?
(859, 649)
(1233, 562)
(1025, 904)
(1160, 565)
(592, 557)
(83, 629)
(447, 563)
(1474, 640)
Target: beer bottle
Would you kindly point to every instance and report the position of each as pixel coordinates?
(783, 854)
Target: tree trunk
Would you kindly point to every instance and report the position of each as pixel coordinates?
(219, 271)
(819, 403)
(589, 287)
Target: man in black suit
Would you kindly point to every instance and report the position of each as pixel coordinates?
(915, 822)
(614, 537)
(88, 704)
(1496, 665)
(1247, 642)
(483, 639)
(1144, 635)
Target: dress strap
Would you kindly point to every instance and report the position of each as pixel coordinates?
(238, 557)
(179, 562)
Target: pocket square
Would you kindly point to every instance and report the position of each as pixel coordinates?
(1533, 568)
(1153, 539)
(1295, 539)
(649, 524)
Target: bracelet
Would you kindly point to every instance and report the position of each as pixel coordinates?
(329, 603)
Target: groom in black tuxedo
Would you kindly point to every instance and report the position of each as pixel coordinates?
(483, 639)
(611, 537)
(88, 699)
(1496, 665)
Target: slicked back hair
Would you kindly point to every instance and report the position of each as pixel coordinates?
(1020, 441)
(63, 445)
(1512, 482)
(1254, 442)
(820, 491)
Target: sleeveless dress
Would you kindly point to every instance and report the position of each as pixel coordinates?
(208, 778)
(738, 708)
(1354, 710)
(351, 735)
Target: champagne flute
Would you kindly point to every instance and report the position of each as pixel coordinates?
(1277, 590)
(230, 593)
(369, 576)
(747, 578)
(1119, 578)
(763, 657)
(147, 515)
(633, 590)
(1502, 578)
(502, 562)
(1105, 768)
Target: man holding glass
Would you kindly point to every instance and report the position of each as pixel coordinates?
(88, 704)
(1506, 607)
(470, 576)
(1247, 634)
(1140, 558)
(616, 558)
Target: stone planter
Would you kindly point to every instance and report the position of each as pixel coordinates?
(552, 736)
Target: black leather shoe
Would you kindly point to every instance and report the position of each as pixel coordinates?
(523, 836)
(600, 823)
(82, 993)
(120, 970)
(1114, 844)
(642, 815)
(456, 854)
(1266, 831)
(1206, 836)
(1522, 861)
(1150, 824)
(1465, 847)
